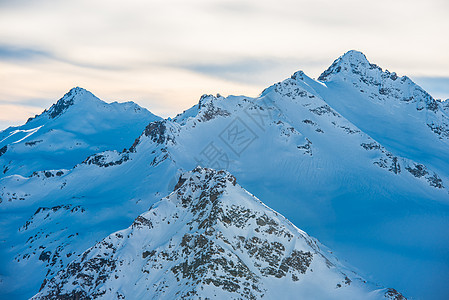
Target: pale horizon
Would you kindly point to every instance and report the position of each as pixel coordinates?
(164, 56)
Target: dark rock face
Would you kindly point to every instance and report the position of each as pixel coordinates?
(50, 256)
(3, 150)
(208, 110)
(418, 170)
(322, 110)
(47, 174)
(371, 146)
(392, 294)
(442, 130)
(33, 143)
(307, 147)
(157, 132)
(435, 181)
(102, 160)
(87, 273)
(45, 256)
(62, 105)
(289, 88)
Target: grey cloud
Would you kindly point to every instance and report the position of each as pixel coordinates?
(27, 54)
(14, 53)
(251, 70)
(33, 102)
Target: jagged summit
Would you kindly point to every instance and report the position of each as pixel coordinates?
(209, 239)
(76, 91)
(74, 96)
(208, 176)
(354, 56)
(78, 125)
(352, 62)
(353, 160)
(299, 75)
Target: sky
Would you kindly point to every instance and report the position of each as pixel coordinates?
(164, 55)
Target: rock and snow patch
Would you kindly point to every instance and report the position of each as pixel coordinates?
(209, 239)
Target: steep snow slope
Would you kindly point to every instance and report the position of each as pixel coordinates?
(78, 125)
(380, 209)
(334, 180)
(209, 239)
(52, 216)
(391, 109)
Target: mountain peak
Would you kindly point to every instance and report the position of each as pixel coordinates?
(209, 239)
(77, 90)
(354, 56)
(298, 75)
(211, 176)
(75, 95)
(352, 62)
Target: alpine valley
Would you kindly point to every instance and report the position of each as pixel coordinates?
(108, 201)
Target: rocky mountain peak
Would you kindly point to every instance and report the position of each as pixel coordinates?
(354, 56)
(205, 99)
(298, 75)
(198, 176)
(354, 69)
(72, 97)
(210, 182)
(352, 62)
(207, 108)
(208, 239)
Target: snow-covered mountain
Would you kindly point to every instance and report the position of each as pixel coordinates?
(393, 110)
(78, 125)
(209, 239)
(345, 158)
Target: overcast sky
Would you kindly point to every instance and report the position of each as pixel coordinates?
(165, 54)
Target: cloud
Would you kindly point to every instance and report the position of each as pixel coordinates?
(18, 54)
(179, 49)
(252, 70)
(246, 70)
(15, 53)
(38, 103)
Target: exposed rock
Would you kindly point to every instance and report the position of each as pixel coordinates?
(3, 150)
(222, 243)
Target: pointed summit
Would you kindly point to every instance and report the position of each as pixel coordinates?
(352, 62)
(354, 56)
(209, 239)
(75, 95)
(78, 125)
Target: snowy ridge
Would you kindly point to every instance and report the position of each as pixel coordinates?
(354, 62)
(209, 239)
(75, 95)
(358, 168)
(354, 67)
(77, 126)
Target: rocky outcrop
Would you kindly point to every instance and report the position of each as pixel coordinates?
(208, 238)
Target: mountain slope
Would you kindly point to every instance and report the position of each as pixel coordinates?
(393, 110)
(209, 239)
(77, 126)
(51, 217)
(382, 209)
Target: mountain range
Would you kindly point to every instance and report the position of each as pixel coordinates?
(357, 158)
